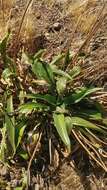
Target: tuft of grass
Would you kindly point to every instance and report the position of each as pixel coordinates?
(44, 95)
(41, 97)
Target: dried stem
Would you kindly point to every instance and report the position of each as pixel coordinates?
(31, 159)
(22, 20)
(89, 153)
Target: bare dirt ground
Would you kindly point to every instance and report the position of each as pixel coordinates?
(53, 25)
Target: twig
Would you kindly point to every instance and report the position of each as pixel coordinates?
(89, 153)
(31, 159)
(99, 140)
(90, 144)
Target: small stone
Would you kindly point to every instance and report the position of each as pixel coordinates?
(57, 26)
(47, 35)
(38, 15)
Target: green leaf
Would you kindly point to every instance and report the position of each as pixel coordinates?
(69, 124)
(47, 98)
(77, 121)
(38, 54)
(59, 123)
(20, 128)
(60, 72)
(30, 106)
(61, 108)
(78, 96)
(57, 59)
(43, 71)
(10, 122)
(61, 85)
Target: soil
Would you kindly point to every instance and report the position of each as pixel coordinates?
(53, 26)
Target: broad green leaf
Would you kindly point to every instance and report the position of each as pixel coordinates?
(10, 122)
(59, 123)
(47, 98)
(60, 72)
(77, 121)
(69, 124)
(57, 59)
(78, 96)
(19, 131)
(61, 85)
(30, 106)
(43, 71)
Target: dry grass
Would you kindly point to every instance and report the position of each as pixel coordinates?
(80, 10)
(83, 13)
(5, 11)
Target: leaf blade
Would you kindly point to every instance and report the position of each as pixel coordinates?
(59, 123)
(10, 122)
(77, 121)
(30, 106)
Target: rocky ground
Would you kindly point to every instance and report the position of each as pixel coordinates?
(53, 25)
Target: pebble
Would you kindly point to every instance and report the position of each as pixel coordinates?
(47, 35)
(57, 26)
(38, 16)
